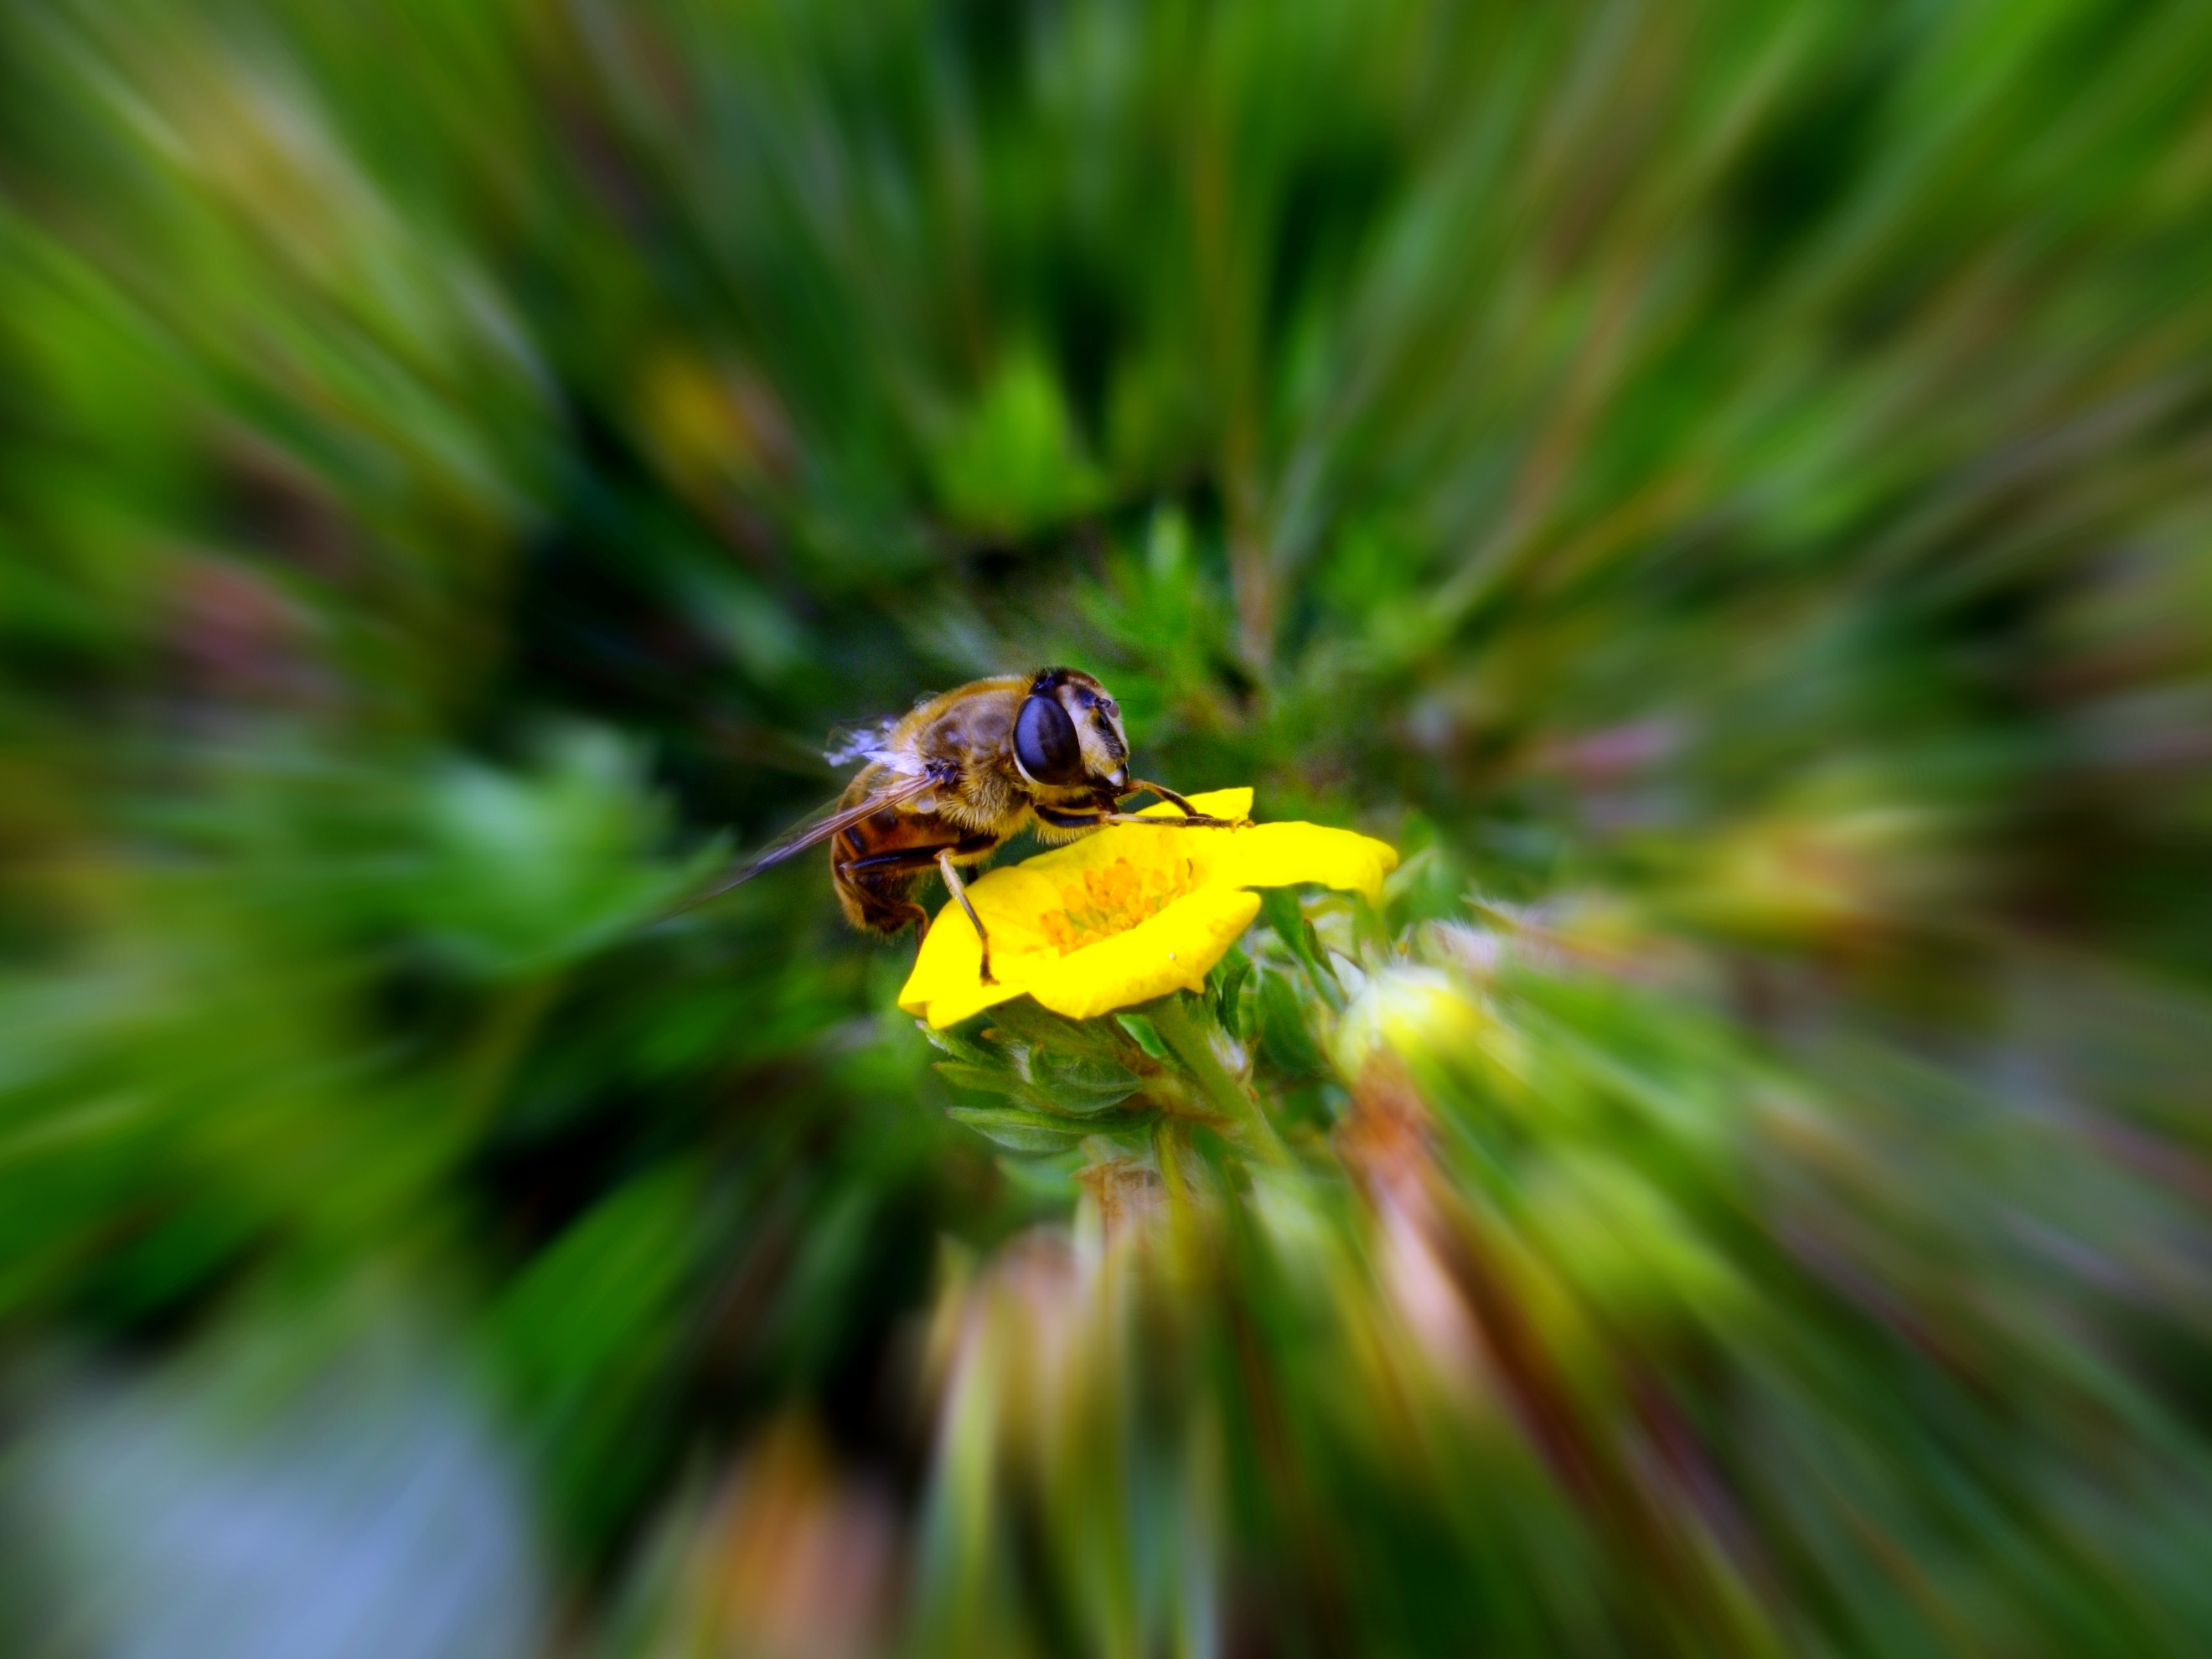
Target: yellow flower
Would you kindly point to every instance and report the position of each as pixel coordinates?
(1129, 913)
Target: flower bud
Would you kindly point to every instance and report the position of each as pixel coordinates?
(1421, 1015)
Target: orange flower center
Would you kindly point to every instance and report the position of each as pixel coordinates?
(1102, 902)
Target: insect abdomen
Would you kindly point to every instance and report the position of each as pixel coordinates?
(876, 863)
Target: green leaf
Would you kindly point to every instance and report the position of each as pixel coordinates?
(1141, 1028)
(985, 1079)
(1048, 1179)
(1016, 461)
(951, 1042)
(1077, 1083)
(1280, 905)
(1019, 1131)
(1288, 918)
(1284, 1038)
(518, 872)
(1073, 1085)
(1234, 969)
(1040, 1028)
(1026, 1131)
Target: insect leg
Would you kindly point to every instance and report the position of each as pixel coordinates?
(1067, 817)
(919, 858)
(1061, 817)
(960, 891)
(906, 859)
(876, 898)
(1196, 820)
(873, 887)
(1138, 785)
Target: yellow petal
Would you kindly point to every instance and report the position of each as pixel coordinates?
(953, 1006)
(1209, 868)
(950, 962)
(1285, 854)
(1270, 855)
(1127, 841)
(1172, 951)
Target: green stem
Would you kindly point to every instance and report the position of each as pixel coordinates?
(1172, 1148)
(1248, 1124)
(1187, 1228)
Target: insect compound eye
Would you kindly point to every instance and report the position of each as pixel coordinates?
(1044, 742)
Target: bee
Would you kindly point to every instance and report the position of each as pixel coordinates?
(963, 771)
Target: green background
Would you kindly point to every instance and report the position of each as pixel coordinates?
(1724, 489)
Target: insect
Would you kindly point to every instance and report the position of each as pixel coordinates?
(962, 772)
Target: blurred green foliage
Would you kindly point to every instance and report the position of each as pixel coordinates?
(1724, 491)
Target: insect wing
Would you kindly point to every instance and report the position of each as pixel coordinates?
(812, 832)
(817, 829)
